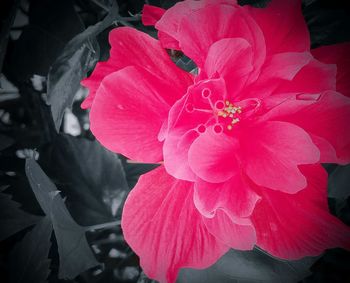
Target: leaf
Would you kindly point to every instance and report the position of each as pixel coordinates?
(249, 267)
(74, 252)
(76, 59)
(5, 142)
(91, 177)
(12, 218)
(338, 183)
(29, 259)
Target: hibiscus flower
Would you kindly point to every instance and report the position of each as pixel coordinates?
(241, 142)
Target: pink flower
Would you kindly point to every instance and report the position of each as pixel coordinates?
(241, 142)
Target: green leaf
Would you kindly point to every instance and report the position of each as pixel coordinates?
(74, 252)
(29, 259)
(249, 267)
(12, 218)
(76, 59)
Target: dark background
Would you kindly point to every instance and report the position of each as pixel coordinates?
(46, 48)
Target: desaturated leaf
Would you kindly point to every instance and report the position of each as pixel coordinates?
(91, 177)
(5, 142)
(74, 252)
(12, 218)
(29, 259)
(76, 59)
(249, 267)
(339, 182)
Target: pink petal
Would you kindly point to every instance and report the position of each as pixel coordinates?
(131, 47)
(337, 54)
(284, 65)
(294, 226)
(175, 151)
(212, 157)
(181, 129)
(231, 58)
(272, 152)
(162, 226)
(127, 114)
(234, 197)
(315, 77)
(277, 69)
(326, 116)
(283, 26)
(151, 14)
(236, 236)
(214, 21)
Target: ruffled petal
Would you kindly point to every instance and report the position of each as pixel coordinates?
(215, 20)
(283, 25)
(128, 111)
(326, 116)
(162, 226)
(299, 225)
(151, 14)
(232, 59)
(126, 45)
(234, 197)
(212, 156)
(278, 69)
(315, 77)
(236, 236)
(337, 54)
(272, 152)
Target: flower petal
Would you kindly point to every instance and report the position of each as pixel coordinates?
(283, 26)
(234, 197)
(326, 116)
(299, 225)
(236, 236)
(151, 14)
(162, 226)
(128, 111)
(231, 58)
(337, 54)
(127, 44)
(212, 157)
(315, 77)
(272, 152)
(214, 20)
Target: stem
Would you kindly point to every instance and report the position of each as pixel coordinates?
(103, 226)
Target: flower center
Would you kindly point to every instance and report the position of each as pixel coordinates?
(223, 115)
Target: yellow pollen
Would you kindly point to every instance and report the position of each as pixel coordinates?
(229, 127)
